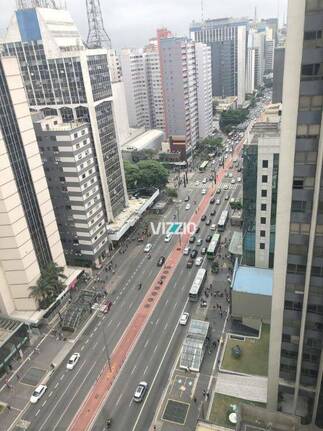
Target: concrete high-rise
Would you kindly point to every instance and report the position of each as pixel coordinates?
(228, 41)
(204, 89)
(62, 77)
(179, 83)
(296, 351)
(29, 237)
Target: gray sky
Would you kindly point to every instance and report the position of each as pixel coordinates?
(130, 23)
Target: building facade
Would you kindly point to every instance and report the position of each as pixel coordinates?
(179, 83)
(29, 237)
(204, 89)
(62, 77)
(227, 39)
(260, 164)
(278, 76)
(67, 153)
(295, 354)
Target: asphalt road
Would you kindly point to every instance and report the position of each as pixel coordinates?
(67, 389)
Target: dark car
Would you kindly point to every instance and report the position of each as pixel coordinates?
(192, 239)
(208, 238)
(239, 169)
(208, 222)
(212, 201)
(189, 263)
(203, 217)
(212, 213)
(197, 229)
(193, 254)
(199, 241)
(187, 199)
(203, 251)
(161, 261)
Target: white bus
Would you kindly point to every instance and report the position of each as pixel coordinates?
(197, 285)
(203, 165)
(223, 220)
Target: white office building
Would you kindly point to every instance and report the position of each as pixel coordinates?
(204, 88)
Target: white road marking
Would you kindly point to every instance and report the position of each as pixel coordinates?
(109, 323)
(157, 321)
(56, 385)
(118, 400)
(119, 323)
(133, 370)
(146, 369)
(44, 403)
(50, 394)
(155, 348)
(130, 305)
(76, 393)
(37, 412)
(82, 347)
(62, 377)
(145, 345)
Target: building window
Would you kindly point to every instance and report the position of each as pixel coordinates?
(262, 220)
(298, 206)
(75, 135)
(298, 183)
(265, 163)
(263, 207)
(62, 179)
(262, 233)
(53, 138)
(262, 246)
(264, 178)
(263, 193)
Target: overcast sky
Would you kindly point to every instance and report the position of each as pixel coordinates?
(130, 23)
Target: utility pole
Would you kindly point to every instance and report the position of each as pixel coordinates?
(106, 348)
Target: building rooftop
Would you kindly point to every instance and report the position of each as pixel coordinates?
(141, 142)
(235, 246)
(48, 123)
(218, 22)
(253, 280)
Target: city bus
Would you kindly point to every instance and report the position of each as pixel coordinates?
(213, 246)
(223, 220)
(197, 285)
(203, 165)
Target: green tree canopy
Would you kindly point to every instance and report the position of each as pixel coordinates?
(49, 285)
(232, 118)
(146, 173)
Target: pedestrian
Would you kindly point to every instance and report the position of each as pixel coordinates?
(220, 307)
(221, 314)
(204, 392)
(8, 406)
(194, 399)
(207, 395)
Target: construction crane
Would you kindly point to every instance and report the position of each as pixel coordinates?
(97, 36)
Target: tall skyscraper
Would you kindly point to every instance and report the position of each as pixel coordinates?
(228, 41)
(62, 77)
(179, 83)
(296, 355)
(204, 89)
(29, 238)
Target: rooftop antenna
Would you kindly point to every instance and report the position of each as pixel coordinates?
(202, 11)
(97, 36)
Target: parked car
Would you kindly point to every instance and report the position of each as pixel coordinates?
(218, 190)
(239, 179)
(199, 241)
(189, 263)
(212, 213)
(204, 180)
(192, 239)
(186, 251)
(203, 217)
(73, 361)
(38, 393)
(208, 238)
(184, 319)
(218, 201)
(227, 196)
(199, 261)
(187, 206)
(147, 248)
(161, 261)
(208, 222)
(225, 186)
(197, 229)
(203, 251)
(193, 254)
(213, 226)
(233, 181)
(168, 237)
(140, 392)
(187, 199)
(212, 201)
(203, 192)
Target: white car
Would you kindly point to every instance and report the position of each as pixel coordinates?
(147, 248)
(203, 191)
(168, 237)
(230, 174)
(233, 181)
(38, 393)
(188, 206)
(186, 251)
(198, 261)
(204, 181)
(213, 227)
(232, 200)
(73, 361)
(197, 183)
(140, 392)
(239, 179)
(218, 201)
(184, 319)
(225, 187)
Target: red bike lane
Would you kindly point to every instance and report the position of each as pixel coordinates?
(100, 390)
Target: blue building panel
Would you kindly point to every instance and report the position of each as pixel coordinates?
(253, 280)
(28, 25)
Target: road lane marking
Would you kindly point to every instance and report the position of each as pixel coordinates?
(133, 369)
(62, 377)
(76, 393)
(82, 347)
(56, 385)
(44, 403)
(50, 394)
(119, 323)
(118, 400)
(37, 412)
(146, 369)
(59, 399)
(155, 348)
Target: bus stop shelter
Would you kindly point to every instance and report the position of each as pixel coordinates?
(194, 345)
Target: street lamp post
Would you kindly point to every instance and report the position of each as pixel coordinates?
(106, 348)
